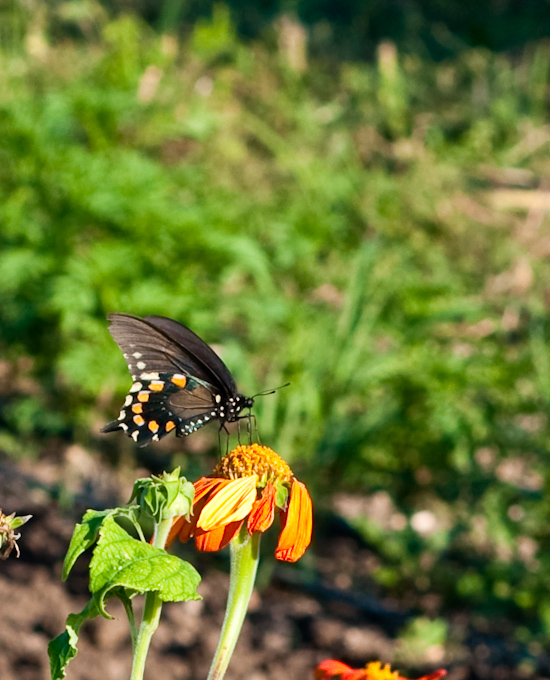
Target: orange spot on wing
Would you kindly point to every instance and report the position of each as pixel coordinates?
(180, 382)
(138, 420)
(153, 426)
(170, 425)
(137, 408)
(143, 396)
(156, 385)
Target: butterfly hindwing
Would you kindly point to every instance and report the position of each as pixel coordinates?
(170, 402)
(180, 383)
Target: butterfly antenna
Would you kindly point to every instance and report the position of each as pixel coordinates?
(272, 391)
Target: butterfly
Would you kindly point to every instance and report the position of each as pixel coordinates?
(180, 383)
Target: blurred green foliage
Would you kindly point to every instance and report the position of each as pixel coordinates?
(375, 234)
(352, 29)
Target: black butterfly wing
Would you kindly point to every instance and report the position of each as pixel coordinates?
(202, 354)
(161, 345)
(179, 381)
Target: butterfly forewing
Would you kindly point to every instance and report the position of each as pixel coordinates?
(215, 370)
(180, 383)
(148, 349)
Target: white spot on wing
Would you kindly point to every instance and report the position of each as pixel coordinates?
(136, 387)
(137, 355)
(149, 376)
(141, 365)
(135, 435)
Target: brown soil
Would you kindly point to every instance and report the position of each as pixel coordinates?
(326, 606)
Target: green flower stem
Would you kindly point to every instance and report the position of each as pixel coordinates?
(151, 610)
(244, 564)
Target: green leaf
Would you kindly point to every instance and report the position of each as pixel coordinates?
(17, 522)
(282, 495)
(122, 561)
(62, 649)
(84, 536)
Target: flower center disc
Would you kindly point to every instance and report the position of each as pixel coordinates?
(254, 459)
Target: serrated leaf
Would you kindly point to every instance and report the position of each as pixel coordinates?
(84, 536)
(62, 649)
(122, 561)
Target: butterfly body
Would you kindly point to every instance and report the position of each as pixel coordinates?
(179, 382)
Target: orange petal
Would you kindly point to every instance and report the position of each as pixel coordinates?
(216, 539)
(181, 526)
(263, 512)
(358, 674)
(330, 668)
(177, 524)
(433, 676)
(297, 523)
(229, 503)
(205, 485)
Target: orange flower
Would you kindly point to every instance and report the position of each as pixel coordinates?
(372, 671)
(251, 483)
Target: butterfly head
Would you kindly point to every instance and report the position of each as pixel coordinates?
(248, 402)
(234, 406)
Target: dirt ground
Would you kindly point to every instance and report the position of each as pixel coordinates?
(326, 606)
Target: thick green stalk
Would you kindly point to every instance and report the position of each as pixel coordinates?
(244, 564)
(151, 610)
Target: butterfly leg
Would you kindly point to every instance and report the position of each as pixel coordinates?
(227, 435)
(252, 418)
(249, 417)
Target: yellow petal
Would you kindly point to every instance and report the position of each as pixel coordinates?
(230, 503)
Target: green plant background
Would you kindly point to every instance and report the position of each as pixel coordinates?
(373, 231)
